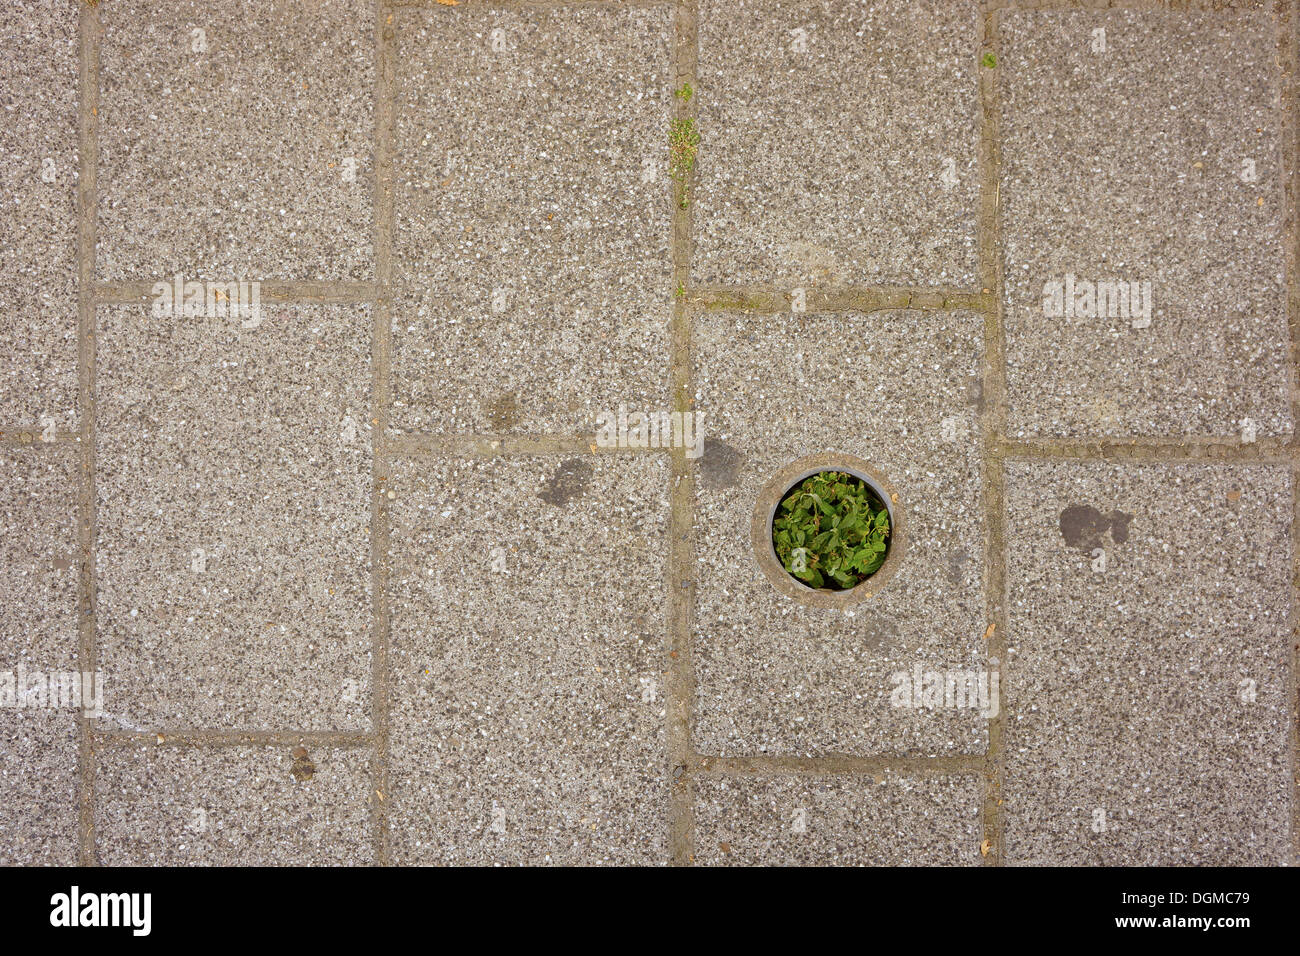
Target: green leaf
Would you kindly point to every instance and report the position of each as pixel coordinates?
(841, 523)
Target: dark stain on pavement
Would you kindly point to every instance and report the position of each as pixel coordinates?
(303, 768)
(569, 481)
(956, 563)
(720, 465)
(1083, 526)
(503, 412)
(882, 632)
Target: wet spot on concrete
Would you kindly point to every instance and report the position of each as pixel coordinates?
(569, 481)
(1083, 526)
(303, 768)
(720, 465)
(975, 392)
(503, 412)
(956, 562)
(880, 633)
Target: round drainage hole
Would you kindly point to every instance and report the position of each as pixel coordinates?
(831, 531)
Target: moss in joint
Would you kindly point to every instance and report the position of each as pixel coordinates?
(683, 145)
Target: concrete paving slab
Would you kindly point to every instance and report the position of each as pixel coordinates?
(39, 563)
(38, 231)
(849, 820)
(1150, 625)
(534, 256)
(839, 143)
(542, 650)
(898, 389)
(232, 806)
(529, 660)
(1134, 159)
(233, 470)
(236, 140)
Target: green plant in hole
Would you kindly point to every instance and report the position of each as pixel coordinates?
(684, 93)
(831, 531)
(990, 60)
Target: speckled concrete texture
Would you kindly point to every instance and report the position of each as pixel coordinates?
(839, 142)
(236, 140)
(1149, 661)
(838, 821)
(533, 256)
(39, 559)
(1170, 174)
(233, 554)
(366, 578)
(233, 806)
(529, 661)
(38, 229)
(774, 676)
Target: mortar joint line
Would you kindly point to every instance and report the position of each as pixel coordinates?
(1286, 15)
(384, 104)
(992, 418)
(679, 560)
(88, 35)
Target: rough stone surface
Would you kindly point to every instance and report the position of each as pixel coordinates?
(226, 135)
(378, 521)
(1148, 665)
(233, 479)
(38, 229)
(777, 677)
(838, 821)
(39, 561)
(838, 142)
(1171, 176)
(529, 660)
(533, 256)
(232, 806)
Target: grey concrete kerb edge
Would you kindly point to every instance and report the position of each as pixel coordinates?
(760, 529)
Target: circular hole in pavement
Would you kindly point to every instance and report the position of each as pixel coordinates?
(785, 482)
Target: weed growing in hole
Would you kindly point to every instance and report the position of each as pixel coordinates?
(831, 531)
(990, 60)
(684, 93)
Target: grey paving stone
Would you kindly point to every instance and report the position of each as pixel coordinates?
(1132, 164)
(780, 678)
(253, 447)
(838, 821)
(38, 231)
(225, 154)
(232, 806)
(830, 132)
(1155, 690)
(533, 216)
(39, 560)
(528, 703)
